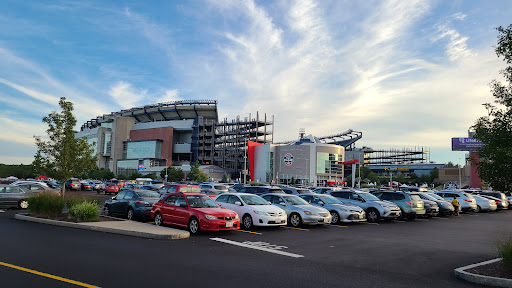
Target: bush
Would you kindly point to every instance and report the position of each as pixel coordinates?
(70, 202)
(48, 205)
(504, 249)
(84, 211)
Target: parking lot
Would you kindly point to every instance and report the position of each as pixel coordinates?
(420, 253)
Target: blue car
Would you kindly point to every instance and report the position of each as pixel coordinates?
(131, 204)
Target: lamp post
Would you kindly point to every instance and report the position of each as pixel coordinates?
(460, 177)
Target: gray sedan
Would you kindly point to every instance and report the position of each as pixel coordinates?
(340, 212)
(299, 211)
(484, 204)
(13, 197)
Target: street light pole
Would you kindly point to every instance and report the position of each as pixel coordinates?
(460, 177)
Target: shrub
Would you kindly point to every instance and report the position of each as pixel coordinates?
(70, 202)
(84, 211)
(504, 249)
(45, 204)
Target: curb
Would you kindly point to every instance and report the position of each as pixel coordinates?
(177, 235)
(481, 279)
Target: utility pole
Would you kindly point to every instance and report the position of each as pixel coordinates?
(245, 162)
(460, 177)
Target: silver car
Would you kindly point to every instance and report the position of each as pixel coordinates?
(340, 212)
(298, 210)
(484, 204)
(466, 200)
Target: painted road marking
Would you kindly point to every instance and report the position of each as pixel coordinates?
(48, 275)
(2, 211)
(295, 228)
(259, 246)
(371, 223)
(248, 232)
(334, 225)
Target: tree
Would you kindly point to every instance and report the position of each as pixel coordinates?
(63, 155)
(101, 174)
(173, 174)
(495, 129)
(196, 174)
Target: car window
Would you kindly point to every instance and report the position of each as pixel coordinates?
(222, 198)
(180, 200)
(162, 190)
(306, 198)
(232, 199)
(121, 195)
(399, 196)
(316, 200)
(287, 191)
(254, 200)
(220, 187)
(294, 200)
(267, 197)
(148, 194)
(12, 190)
(415, 197)
(340, 194)
(171, 200)
(171, 189)
(303, 191)
(201, 202)
(331, 200)
(383, 196)
(129, 195)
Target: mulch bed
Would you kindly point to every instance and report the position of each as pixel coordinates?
(65, 217)
(496, 269)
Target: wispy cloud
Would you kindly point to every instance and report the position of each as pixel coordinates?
(457, 46)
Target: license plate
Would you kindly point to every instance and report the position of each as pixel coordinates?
(229, 224)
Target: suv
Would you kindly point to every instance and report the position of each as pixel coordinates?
(171, 188)
(467, 201)
(73, 184)
(260, 190)
(375, 208)
(410, 204)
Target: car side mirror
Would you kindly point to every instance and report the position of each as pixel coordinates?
(238, 203)
(282, 203)
(321, 203)
(270, 203)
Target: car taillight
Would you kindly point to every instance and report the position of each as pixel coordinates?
(468, 200)
(409, 202)
(142, 202)
(497, 201)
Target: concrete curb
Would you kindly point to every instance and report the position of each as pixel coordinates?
(481, 279)
(170, 233)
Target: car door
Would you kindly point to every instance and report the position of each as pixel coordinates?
(13, 195)
(181, 214)
(116, 204)
(281, 203)
(230, 204)
(3, 201)
(168, 208)
(125, 203)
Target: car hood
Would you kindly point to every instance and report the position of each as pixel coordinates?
(311, 208)
(386, 204)
(217, 211)
(348, 207)
(267, 208)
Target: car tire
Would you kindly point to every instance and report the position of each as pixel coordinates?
(23, 204)
(193, 225)
(247, 221)
(335, 217)
(478, 209)
(158, 219)
(402, 215)
(373, 215)
(130, 215)
(295, 220)
(411, 217)
(107, 211)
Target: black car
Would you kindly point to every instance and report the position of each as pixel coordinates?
(132, 204)
(445, 207)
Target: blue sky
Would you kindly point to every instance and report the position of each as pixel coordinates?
(405, 73)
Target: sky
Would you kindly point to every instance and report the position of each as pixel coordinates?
(405, 73)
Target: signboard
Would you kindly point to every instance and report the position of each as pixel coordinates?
(465, 144)
(288, 159)
(141, 167)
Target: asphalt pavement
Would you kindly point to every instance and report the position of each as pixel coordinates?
(421, 253)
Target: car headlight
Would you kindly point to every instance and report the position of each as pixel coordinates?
(236, 216)
(261, 213)
(210, 217)
(309, 213)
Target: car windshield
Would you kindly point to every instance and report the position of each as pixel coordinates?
(435, 196)
(295, 200)
(331, 200)
(254, 200)
(190, 189)
(201, 202)
(468, 195)
(368, 197)
(415, 197)
(220, 187)
(430, 197)
(148, 194)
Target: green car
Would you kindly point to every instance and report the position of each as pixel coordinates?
(411, 205)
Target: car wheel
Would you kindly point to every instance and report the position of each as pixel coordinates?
(193, 225)
(402, 215)
(23, 204)
(106, 211)
(158, 219)
(335, 217)
(411, 217)
(247, 221)
(295, 220)
(372, 215)
(130, 215)
(478, 209)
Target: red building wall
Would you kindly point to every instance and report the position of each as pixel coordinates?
(475, 178)
(164, 134)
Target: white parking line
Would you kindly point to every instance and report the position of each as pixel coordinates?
(2, 211)
(257, 247)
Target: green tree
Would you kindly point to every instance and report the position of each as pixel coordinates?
(196, 174)
(134, 176)
(173, 174)
(62, 155)
(151, 175)
(495, 129)
(434, 174)
(101, 174)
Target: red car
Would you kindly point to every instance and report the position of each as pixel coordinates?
(183, 188)
(112, 188)
(195, 211)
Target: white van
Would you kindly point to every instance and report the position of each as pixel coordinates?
(143, 181)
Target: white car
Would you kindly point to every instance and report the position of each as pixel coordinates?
(252, 209)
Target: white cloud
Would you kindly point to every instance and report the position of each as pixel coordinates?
(126, 95)
(169, 96)
(459, 16)
(457, 46)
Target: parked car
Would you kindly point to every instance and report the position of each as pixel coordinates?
(97, 185)
(85, 186)
(503, 204)
(260, 190)
(374, 208)
(323, 190)
(466, 200)
(213, 190)
(132, 204)
(445, 207)
(184, 188)
(111, 188)
(35, 187)
(431, 207)
(298, 210)
(12, 196)
(73, 184)
(485, 204)
(410, 205)
(498, 202)
(340, 212)
(252, 209)
(295, 191)
(195, 211)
